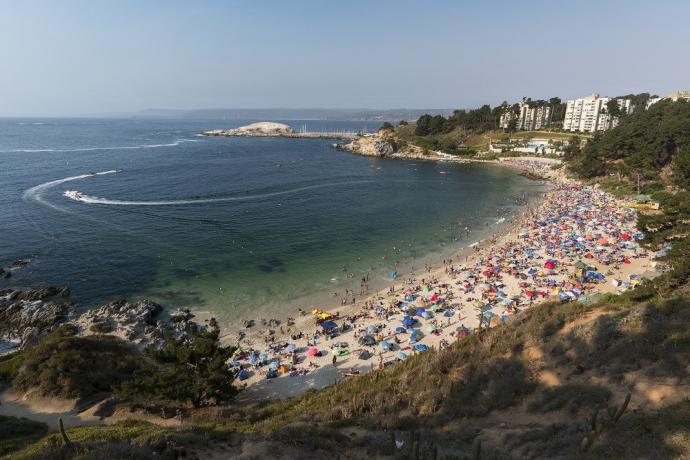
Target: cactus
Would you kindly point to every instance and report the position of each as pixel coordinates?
(65, 440)
(596, 429)
(477, 449)
(621, 409)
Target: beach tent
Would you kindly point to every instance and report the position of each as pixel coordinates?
(364, 354)
(243, 375)
(384, 345)
(313, 351)
(400, 330)
(408, 321)
(366, 340)
(371, 329)
(416, 336)
(431, 328)
(328, 325)
(448, 313)
(426, 315)
(402, 356)
(419, 311)
(421, 347)
(340, 352)
(290, 348)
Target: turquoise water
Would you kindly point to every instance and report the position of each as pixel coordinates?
(228, 225)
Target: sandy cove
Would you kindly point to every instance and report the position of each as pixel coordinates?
(576, 242)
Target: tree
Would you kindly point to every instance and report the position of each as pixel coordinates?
(386, 126)
(192, 372)
(422, 128)
(682, 168)
(403, 123)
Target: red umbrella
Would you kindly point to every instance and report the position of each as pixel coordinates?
(530, 293)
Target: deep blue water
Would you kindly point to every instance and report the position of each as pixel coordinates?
(228, 225)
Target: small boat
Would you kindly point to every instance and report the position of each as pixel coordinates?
(92, 173)
(73, 195)
(119, 170)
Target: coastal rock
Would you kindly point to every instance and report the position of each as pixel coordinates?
(383, 145)
(181, 315)
(128, 320)
(371, 146)
(19, 263)
(30, 310)
(4, 274)
(260, 129)
(40, 294)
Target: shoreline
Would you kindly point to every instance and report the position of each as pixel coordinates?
(380, 310)
(258, 387)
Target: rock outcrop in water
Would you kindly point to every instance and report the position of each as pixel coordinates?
(260, 129)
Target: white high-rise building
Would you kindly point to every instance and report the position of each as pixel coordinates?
(529, 116)
(673, 97)
(589, 114)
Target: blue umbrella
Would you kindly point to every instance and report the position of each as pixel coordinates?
(402, 356)
(243, 375)
(291, 347)
(426, 315)
(328, 325)
(408, 321)
(419, 311)
(448, 313)
(420, 347)
(400, 330)
(384, 345)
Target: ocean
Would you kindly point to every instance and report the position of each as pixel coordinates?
(233, 227)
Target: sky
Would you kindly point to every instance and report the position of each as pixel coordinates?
(70, 57)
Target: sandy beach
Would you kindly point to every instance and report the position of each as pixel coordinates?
(576, 242)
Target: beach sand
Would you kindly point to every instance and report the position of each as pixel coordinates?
(462, 284)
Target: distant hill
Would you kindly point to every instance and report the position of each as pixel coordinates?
(293, 114)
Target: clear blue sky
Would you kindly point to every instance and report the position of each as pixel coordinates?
(78, 57)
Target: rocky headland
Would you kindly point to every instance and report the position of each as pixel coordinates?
(26, 316)
(270, 129)
(384, 145)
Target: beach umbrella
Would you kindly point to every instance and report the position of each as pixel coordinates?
(416, 336)
(273, 366)
(263, 357)
(254, 359)
(313, 351)
(290, 348)
(371, 329)
(530, 293)
(419, 311)
(402, 356)
(431, 328)
(448, 313)
(328, 325)
(426, 315)
(384, 345)
(421, 347)
(408, 321)
(400, 330)
(243, 375)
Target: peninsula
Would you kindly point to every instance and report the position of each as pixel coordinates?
(270, 129)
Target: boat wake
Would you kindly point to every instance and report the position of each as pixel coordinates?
(91, 149)
(77, 196)
(37, 193)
